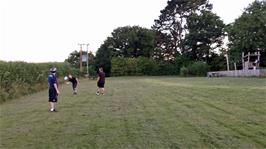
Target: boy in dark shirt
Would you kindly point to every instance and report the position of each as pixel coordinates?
(74, 82)
(100, 82)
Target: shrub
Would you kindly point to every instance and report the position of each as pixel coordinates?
(118, 66)
(198, 68)
(130, 66)
(184, 71)
(146, 66)
(133, 66)
(168, 68)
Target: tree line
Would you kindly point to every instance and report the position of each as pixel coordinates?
(187, 38)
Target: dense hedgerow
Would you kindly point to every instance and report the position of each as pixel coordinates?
(133, 66)
(197, 68)
(144, 66)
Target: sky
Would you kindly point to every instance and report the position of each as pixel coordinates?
(49, 30)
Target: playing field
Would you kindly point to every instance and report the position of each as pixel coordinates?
(141, 112)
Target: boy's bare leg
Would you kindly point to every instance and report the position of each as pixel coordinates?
(98, 91)
(52, 106)
(102, 90)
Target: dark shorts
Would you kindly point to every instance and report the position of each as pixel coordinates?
(52, 95)
(100, 84)
(74, 85)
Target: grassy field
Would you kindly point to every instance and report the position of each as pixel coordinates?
(142, 112)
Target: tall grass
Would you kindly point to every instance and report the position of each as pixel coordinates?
(21, 78)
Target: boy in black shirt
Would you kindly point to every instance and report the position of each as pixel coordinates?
(100, 82)
(74, 82)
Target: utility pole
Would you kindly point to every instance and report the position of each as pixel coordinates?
(80, 57)
(87, 60)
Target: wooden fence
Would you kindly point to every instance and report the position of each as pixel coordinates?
(238, 73)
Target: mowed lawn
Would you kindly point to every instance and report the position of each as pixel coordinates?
(141, 112)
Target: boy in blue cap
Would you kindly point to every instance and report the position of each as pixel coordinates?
(53, 89)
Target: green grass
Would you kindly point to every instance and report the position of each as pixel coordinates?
(142, 112)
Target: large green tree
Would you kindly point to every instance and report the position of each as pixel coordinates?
(104, 56)
(248, 32)
(132, 41)
(73, 59)
(205, 36)
(126, 42)
(171, 25)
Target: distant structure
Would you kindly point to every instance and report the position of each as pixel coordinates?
(251, 61)
(250, 67)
